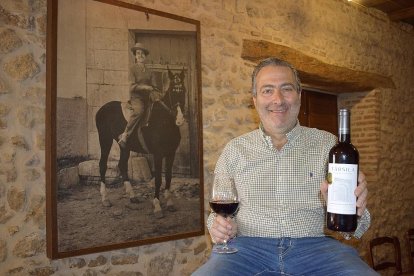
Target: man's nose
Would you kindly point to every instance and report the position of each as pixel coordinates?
(277, 96)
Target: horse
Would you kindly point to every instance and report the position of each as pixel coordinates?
(161, 138)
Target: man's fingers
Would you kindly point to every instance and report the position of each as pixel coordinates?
(324, 189)
(221, 230)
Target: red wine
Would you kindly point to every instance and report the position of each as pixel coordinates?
(224, 207)
(343, 178)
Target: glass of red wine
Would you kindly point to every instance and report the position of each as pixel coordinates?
(224, 201)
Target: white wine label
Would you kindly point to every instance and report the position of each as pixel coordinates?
(343, 181)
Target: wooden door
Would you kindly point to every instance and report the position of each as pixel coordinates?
(319, 110)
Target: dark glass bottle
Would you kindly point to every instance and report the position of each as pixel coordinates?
(343, 178)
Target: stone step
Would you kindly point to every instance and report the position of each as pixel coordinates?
(138, 170)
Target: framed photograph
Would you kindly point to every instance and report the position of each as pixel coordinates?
(124, 139)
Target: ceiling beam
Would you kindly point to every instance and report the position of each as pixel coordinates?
(402, 14)
(314, 72)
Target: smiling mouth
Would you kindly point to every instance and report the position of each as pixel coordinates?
(279, 110)
(276, 111)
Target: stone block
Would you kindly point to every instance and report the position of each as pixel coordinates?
(9, 41)
(115, 77)
(111, 60)
(94, 76)
(139, 169)
(16, 197)
(21, 67)
(67, 177)
(29, 246)
(91, 168)
(3, 250)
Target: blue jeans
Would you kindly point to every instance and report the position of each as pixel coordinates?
(287, 256)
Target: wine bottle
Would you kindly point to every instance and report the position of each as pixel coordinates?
(343, 178)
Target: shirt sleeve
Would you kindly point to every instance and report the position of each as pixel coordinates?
(210, 220)
(363, 224)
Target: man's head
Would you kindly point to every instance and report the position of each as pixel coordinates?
(276, 95)
(275, 62)
(140, 52)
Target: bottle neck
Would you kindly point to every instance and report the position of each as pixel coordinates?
(344, 130)
(345, 137)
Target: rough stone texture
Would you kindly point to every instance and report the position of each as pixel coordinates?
(67, 177)
(21, 67)
(77, 263)
(3, 89)
(30, 116)
(124, 259)
(161, 265)
(5, 215)
(98, 261)
(9, 41)
(29, 246)
(16, 197)
(3, 250)
(331, 32)
(19, 141)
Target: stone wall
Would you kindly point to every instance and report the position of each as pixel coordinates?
(333, 31)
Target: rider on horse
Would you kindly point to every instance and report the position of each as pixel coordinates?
(143, 92)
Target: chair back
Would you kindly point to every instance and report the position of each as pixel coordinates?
(410, 234)
(377, 259)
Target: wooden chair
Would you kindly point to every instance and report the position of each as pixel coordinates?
(382, 243)
(410, 235)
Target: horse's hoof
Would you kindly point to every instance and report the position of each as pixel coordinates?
(106, 203)
(158, 215)
(134, 200)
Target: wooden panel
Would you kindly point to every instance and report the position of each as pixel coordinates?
(319, 110)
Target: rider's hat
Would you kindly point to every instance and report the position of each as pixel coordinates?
(139, 46)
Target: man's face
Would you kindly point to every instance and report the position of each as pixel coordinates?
(140, 56)
(277, 100)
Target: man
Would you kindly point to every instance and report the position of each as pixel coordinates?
(280, 170)
(142, 89)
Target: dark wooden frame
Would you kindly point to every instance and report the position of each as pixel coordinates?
(51, 134)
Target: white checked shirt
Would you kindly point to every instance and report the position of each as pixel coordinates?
(279, 190)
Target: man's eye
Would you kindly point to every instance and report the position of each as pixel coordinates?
(267, 91)
(287, 89)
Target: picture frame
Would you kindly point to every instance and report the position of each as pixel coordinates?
(103, 192)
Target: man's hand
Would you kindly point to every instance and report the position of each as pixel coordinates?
(223, 229)
(155, 95)
(361, 192)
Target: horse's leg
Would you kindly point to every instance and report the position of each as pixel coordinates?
(123, 169)
(169, 160)
(105, 142)
(158, 180)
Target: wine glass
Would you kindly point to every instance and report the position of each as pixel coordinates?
(225, 202)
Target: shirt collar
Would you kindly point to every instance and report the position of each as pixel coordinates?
(291, 135)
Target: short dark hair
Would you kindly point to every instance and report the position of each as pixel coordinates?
(272, 61)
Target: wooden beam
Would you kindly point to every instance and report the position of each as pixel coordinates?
(315, 73)
(402, 14)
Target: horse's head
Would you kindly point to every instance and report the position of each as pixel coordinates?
(176, 95)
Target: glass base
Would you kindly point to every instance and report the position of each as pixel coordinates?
(224, 250)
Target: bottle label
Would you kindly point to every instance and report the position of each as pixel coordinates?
(342, 180)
